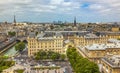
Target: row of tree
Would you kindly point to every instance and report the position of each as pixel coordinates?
(80, 64)
(43, 55)
(5, 64)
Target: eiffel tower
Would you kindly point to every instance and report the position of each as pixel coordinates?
(14, 20)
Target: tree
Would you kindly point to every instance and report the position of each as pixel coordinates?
(51, 27)
(80, 64)
(5, 64)
(19, 71)
(41, 55)
(91, 68)
(54, 56)
(37, 57)
(11, 33)
(47, 55)
(20, 46)
(63, 57)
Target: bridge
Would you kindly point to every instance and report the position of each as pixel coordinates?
(21, 39)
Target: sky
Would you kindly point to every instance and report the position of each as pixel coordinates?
(62, 10)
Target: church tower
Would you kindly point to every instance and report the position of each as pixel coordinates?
(74, 21)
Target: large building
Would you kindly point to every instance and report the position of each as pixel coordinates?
(46, 42)
(111, 64)
(56, 40)
(95, 52)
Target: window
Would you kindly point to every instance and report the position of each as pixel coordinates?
(110, 70)
(97, 53)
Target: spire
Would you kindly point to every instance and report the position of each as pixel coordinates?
(74, 21)
(14, 19)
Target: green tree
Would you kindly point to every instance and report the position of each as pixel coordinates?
(11, 33)
(80, 64)
(5, 64)
(63, 56)
(19, 71)
(51, 27)
(54, 56)
(37, 57)
(20, 46)
(40, 55)
(48, 55)
(91, 68)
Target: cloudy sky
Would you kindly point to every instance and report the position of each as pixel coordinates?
(64, 10)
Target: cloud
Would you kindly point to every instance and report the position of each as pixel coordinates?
(15, 1)
(103, 6)
(44, 8)
(13, 6)
(56, 2)
(72, 7)
(96, 7)
(65, 5)
(37, 6)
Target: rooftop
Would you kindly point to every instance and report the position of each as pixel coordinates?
(90, 35)
(32, 35)
(48, 35)
(112, 60)
(114, 41)
(85, 34)
(102, 46)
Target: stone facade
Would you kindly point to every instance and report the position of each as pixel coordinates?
(55, 40)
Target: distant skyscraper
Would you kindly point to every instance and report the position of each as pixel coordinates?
(74, 21)
(14, 19)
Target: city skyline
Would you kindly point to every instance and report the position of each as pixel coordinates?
(63, 10)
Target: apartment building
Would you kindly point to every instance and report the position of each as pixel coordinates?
(56, 40)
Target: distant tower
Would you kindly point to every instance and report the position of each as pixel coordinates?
(74, 21)
(14, 19)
